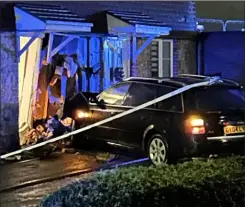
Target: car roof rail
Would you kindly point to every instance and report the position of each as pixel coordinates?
(141, 78)
(202, 77)
(193, 76)
(167, 80)
(230, 81)
(138, 78)
(158, 80)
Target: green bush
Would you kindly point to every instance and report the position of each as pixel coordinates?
(217, 182)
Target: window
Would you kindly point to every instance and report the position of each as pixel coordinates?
(162, 58)
(140, 93)
(220, 98)
(115, 95)
(171, 104)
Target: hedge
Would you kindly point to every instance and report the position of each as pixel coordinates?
(217, 182)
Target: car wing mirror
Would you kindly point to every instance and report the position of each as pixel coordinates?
(101, 104)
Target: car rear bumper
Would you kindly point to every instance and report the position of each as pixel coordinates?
(226, 138)
(219, 144)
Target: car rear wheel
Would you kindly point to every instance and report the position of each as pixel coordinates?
(157, 149)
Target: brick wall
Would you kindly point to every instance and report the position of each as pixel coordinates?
(180, 15)
(9, 92)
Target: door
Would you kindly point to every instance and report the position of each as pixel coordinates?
(133, 125)
(160, 115)
(107, 104)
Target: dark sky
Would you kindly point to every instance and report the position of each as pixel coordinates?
(225, 10)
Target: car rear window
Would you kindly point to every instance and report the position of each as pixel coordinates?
(220, 98)
(171, 104)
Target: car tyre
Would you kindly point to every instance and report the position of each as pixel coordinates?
(158, 150)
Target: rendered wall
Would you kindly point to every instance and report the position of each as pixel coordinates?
(9, 105)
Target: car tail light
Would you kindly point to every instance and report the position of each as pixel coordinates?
(195, 125)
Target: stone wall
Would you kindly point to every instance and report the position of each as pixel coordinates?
(185, 56)
(144, 61)
(9, 106)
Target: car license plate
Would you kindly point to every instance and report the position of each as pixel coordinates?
(234, 129)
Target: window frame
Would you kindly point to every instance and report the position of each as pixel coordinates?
(160, 56)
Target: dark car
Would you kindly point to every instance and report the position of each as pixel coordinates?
(183, 125)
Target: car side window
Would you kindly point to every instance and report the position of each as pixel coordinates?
(139, 94)
(115, 95)
(171, 104)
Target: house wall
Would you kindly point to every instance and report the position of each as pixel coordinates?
(144, 61)
(9, 108)
(184, 56)
(179, 15)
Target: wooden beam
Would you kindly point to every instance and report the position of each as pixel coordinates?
(144, 45)
(50, 45)
(28, 44)
(61, 46)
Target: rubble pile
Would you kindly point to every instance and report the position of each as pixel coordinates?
(52, 128)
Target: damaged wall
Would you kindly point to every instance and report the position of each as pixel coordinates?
(9, 139)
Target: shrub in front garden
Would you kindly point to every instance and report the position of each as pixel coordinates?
(217, 182)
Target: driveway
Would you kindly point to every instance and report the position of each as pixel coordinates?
(19, 174)
(56, 165)
(31, 196)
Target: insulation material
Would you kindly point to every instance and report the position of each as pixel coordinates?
(41, 106)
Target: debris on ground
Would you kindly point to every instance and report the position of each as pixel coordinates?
(105, 157)
(52, 128)
(68, 150)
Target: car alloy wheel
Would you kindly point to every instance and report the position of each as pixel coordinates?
(158, 150)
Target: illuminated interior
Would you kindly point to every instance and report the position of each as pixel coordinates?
(28, 74)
